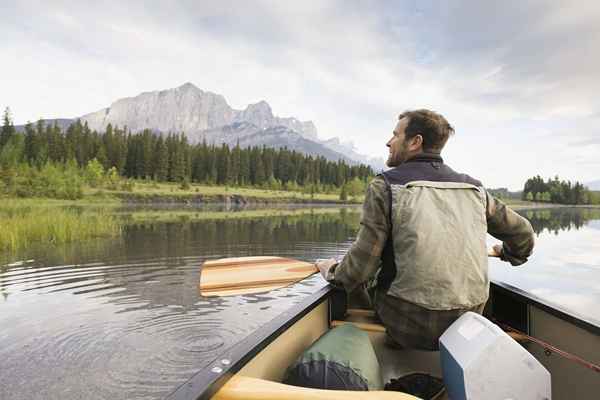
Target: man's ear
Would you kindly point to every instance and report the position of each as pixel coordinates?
(416, 142)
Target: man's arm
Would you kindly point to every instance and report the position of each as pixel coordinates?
(364, 256)
(513, 230)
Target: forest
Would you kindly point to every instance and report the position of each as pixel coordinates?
(558, 191)
(118, 152)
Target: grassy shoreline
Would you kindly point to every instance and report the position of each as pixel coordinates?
(195, 215)
(25, 222)
(99, 213)
(160, 193)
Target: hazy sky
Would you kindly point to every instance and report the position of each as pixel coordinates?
(520, 81)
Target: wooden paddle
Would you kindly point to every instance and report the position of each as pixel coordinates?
(247, 275)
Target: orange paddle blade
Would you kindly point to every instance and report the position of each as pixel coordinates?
(245, 275)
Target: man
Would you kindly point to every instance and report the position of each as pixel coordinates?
(421, 248)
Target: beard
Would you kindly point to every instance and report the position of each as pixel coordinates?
(396, 158)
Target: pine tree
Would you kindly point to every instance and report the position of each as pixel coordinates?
(213, 172)
(179, 160)
(244, 176)
(120, 156)
(55, 143)
(101, 156)
(30, 144)
(223, 165)
(8, 129)
(235, 162)
(40, 145)
(161, 162)
(260, 172)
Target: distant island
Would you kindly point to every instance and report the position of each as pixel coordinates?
(552, 191)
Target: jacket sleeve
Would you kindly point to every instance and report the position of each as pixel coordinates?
(513, 230)
(363, 259)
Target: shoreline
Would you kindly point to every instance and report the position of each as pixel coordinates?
(225, 199)
(541, 206)
(238, 198)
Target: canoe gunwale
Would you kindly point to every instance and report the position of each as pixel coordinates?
(205, 383)
(556, 310)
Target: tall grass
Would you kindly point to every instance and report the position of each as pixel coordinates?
(25, 223)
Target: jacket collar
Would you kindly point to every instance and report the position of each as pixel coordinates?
(426, 157)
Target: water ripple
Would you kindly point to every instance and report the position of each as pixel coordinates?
(130, 323)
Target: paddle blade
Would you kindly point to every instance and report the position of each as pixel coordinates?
(247, 275)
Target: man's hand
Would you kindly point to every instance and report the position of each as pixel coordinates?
(324, 267)
(496, 251)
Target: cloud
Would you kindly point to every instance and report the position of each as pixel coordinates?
(587, 142)
(503, 74)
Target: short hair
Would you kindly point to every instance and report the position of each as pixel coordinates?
(433, 127)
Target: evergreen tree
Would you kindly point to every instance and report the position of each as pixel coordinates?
(244, 175)
(30, 142)
(8, 130)
(101, 156)
(40, 145)
(260, 172)
(179, 160)
(235, 162)
(161, 157)
(223, 165)
(213, 168)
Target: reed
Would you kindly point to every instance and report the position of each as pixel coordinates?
(25, 223)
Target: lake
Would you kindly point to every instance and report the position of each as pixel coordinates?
(123, 318)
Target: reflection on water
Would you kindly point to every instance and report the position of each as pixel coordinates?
(560, 219)
(564, 269)
(123, 318)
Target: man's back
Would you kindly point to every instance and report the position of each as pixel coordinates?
(438, 234)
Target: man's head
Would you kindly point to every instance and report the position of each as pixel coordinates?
(417, 132)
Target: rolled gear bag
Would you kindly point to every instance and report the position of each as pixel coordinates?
(341, 359)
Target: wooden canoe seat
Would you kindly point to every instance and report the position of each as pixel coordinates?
(363, 319)
(245, 388)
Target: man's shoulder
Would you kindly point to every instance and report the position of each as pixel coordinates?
(424, 171)
(378, 184)
(466, 178)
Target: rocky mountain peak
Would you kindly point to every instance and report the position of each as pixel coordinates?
(188, 86)
(258, 114)
(204, 115)
(262, 108)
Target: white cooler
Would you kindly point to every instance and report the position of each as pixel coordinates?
(481, 362)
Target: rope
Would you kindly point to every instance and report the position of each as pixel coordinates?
(548, 347)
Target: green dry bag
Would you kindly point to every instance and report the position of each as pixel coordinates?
(341, 359)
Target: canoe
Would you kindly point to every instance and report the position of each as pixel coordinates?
(254, 368)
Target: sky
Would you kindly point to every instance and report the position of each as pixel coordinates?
(518, 80)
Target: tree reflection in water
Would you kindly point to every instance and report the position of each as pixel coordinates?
(560, 219)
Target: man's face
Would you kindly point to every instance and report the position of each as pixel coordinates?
(399, 151)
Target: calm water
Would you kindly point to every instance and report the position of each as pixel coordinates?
(123, 318)
(565, 267)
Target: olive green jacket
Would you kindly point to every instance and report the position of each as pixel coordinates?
(423, 235)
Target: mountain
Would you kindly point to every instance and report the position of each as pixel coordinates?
(204, 115)
(347, 148)
(63, 123)
(200, 114)
(593, 185)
